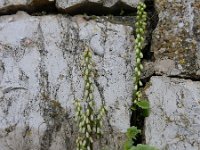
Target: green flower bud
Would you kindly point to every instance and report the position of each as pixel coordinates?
(90, 54)
(91, 96)
(85, 78)
(89, 128)
(137, 24)
(140, 83)
(137, 30)
(100, 123)
(83, 130)
(144, 6)
(89, 67)
(139, 73)
(142, 39)
(87, 60)
(138, 17)
(94, 129)
(141, 30)
(91, 117)
(136, 87)
(85, 54)
(90, 80)
(91, 104)
(84, 142)
(138, 36)
(141, 55)
(137, 51)
(98, 130)
(91, 88)
(144, 17)
(144, 24)
(87, 121)
(86, 72)
(87, 134)
(88, 112)
(76, 114)
(91, 140)
(86, 93)
(139, 44)
(136, 69)
(138, 60)
(141, 67)
(88, 148)
(87, 86)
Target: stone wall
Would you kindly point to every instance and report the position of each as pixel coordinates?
(41, 47)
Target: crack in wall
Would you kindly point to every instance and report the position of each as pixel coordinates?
(44, 7)
(136, 118)
(100, 91)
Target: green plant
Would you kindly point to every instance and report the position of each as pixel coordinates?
(138, 101)
(139, 41)
(89, 121)
(131, 134)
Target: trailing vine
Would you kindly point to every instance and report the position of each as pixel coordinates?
(89, 121)
(138, 101)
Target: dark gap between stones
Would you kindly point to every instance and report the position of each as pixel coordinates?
(136, 118)
(33, 8)
(37, 8)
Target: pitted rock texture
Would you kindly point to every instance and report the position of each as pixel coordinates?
(175, 42)
(40, 76)
(174, 122)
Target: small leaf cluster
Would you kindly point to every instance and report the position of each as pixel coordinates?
(89, 122)
(131, 135)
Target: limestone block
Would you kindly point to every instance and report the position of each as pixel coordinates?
(175, 41)
(41, 76)
(174, 122)
(63, 4)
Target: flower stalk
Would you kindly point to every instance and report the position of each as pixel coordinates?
(89, 122)
(139, 42)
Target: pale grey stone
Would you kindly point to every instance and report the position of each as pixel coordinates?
(174, 122)
(40, 76)
(62, 4)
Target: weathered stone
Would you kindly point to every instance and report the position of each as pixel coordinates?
(40, 76)
(62, 4)
(176, 43)
(10, 6)
(174, 122)
(148, 70)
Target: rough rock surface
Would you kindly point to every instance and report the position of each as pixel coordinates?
(106, 3)
(40, 76)
(176, 42)
(174, 122)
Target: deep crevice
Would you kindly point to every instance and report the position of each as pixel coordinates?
(137, 119)
(38, 8)
(85, 8)
(35, 8)
(193, 78)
